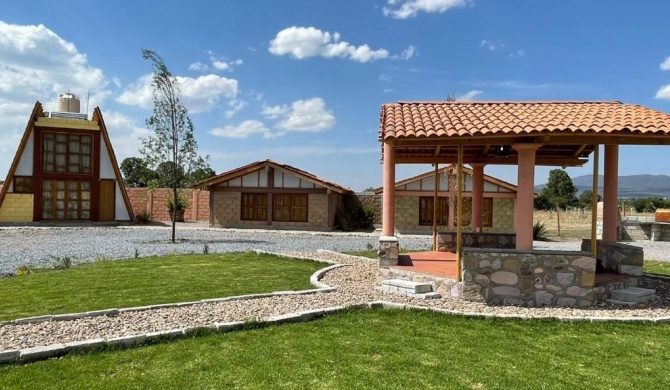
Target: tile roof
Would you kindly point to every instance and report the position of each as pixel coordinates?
(255, 166)
(403, 120)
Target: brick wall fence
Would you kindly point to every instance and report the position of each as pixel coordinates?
(141, 199)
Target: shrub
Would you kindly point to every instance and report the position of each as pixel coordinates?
(62, 262)
(143, 217)
(23, 270)
(540, 231)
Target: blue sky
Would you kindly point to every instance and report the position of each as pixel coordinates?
(302, 81)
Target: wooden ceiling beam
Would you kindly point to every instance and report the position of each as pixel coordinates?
(511, 160)
(579, 151)
(554, 139)
(485, 149)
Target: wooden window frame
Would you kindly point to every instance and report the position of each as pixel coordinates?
(293, 203)
(21, 188)
(78, 201)
(426, 215)
(68, 154)
(258, 205)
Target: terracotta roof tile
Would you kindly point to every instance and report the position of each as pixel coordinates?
(471, 119)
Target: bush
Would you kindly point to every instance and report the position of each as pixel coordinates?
(23, 270)
(143, 217)
(63, 262)
(540, 231)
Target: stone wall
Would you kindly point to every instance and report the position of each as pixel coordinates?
(142, 199)
(17, 208)
(373, 201)
(446, 241)
(619, 258)
(530, 278)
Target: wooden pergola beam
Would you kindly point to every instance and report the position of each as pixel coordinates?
(437, 150)
(512, 160)
(545, 139)
(579, 151)
(485, 149)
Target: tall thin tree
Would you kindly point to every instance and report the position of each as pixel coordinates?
(172, 140)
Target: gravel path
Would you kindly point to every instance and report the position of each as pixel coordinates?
(39, 247)
(356, 284)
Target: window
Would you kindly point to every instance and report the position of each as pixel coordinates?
(254, 207)
(487, 212)
(66, 153)
(289, 207)
(426, 211)
(23, 184)
(66, 199)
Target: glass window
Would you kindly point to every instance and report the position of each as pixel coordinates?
(66, 199)
(23, 184)
(254, 207)
(66, 153)
(426, 211)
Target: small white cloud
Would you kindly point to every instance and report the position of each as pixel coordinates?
(517, 54)
(406, 54)
(305, 42)
(274, 112)
(220, 65)
(489, 44)
(663, 93)
(665, 65)
(244, 130)
(308, 115)
(198, 66)
(236, 105)
(384, 77)
(411, 8)
(470, 95)
(217, 64)
(389, 90)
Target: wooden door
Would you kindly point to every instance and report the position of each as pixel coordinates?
(107, 199)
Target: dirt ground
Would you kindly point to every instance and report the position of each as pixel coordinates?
(574, 224)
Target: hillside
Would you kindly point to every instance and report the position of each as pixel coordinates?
(633, 186)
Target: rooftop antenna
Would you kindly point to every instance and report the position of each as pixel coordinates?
(88, 95)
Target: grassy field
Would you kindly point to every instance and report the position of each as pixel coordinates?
(575, 224)
(127, 283)
(377, 349)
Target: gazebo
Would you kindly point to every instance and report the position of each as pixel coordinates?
(525, 134)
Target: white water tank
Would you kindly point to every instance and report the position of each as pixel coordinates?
(68, 102)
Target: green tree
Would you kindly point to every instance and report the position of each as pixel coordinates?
(559, 189)
(586, 198)
(200, 174)
(136, 173)
(172, 140)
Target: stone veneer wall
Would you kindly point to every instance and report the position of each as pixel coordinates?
(227, 213)
(530, 278)
(619, 258)
(373, 201)
(446, 241)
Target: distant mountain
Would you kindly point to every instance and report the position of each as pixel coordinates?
(633, 186)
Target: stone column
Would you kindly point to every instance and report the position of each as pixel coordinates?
(611, 194)
(388, 242)
(477, 197)
(523, 211)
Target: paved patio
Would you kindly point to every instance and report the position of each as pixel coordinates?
(434, 263)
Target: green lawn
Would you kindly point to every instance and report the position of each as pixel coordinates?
(377, 349)
(127, 283)
(657, 267)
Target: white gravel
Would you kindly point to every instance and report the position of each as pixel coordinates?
(39, 247)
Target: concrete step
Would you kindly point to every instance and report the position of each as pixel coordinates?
(620, 303)
(410, 289)
(633, 294)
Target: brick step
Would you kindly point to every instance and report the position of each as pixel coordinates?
(410, 289)
(633, 295)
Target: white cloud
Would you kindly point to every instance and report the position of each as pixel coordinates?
(517, 54)
(470, 95)
(665, 65)
(198, 94)
(236, 106)
(664, 92)
(308, 115)
(125, 134)
(275, 112)
(37, 64)
(411, 8)
(492, 46)
(219, 64)
(244, 130)
(406, 54)
(384, 77)
(388, 90)
(305, 42)
(199, 66)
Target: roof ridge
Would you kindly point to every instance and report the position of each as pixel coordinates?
(509, 102)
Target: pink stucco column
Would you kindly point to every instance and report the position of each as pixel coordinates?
(477, 196)
(388, 197)
(611, 193)
(523, 212)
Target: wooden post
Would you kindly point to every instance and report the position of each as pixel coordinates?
(594, 200)
(459, 212)
(437, 184)
(558, 218)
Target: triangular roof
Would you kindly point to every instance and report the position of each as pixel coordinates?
(450, 169)
(258, 165)
(38, 112)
